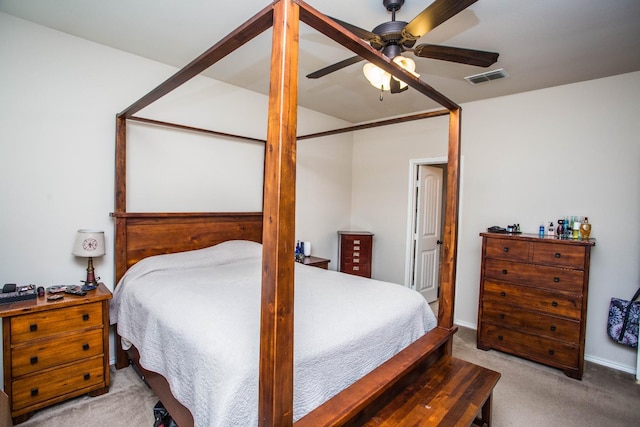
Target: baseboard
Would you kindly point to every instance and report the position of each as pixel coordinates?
(587, 357)
(610, 364)
(466, 325)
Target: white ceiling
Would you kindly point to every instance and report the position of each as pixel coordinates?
(542, 43)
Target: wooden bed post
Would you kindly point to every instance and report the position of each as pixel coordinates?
(120, 202)
(275, 390)
(449, 250)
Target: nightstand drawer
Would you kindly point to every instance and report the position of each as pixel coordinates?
(52, 322)
(74, 378)
(569, 306)
(45, 354)
(561, 279)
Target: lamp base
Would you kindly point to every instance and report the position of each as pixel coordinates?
(91, 283)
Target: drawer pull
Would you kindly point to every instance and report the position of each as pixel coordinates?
(33, 327)
(356, 242)
(34, 392)
(501, 315)
(33, 360)
(500, 338)
(87, 376)
(356, 260)
(554, 303)
(557, 255)
(85, 346)
(556, 279)
(503, 294)
(356, 268)
(356, 248)
(356, 254)
(505, 249)
(504, 271)
(85, 317)
(553, 328)
(551, 352)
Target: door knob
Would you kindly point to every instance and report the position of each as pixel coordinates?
(439, 242)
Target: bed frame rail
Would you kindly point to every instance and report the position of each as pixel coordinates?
(356, 404)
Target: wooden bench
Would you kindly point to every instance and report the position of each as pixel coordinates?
(424, 386)
(451, 392)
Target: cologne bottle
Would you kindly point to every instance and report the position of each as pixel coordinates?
(585, 229)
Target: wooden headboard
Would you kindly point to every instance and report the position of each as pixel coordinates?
(140, 235)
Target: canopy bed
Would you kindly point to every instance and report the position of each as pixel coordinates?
(148, 236)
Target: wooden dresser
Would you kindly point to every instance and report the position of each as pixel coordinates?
(354, 252)
(533, 298)
(55, 350)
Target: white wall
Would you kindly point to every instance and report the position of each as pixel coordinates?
(569, 150)
(59, 97)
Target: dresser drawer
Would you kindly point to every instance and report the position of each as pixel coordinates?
(363, 270)
(74, 378)
(52, 322)
(541, 349)
(557, 254)
(555, 304)
(562, 279)
(45, 354)
(514, 250)
(356, 244)
(531, 322)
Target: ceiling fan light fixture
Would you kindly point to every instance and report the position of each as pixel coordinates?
(380, 79)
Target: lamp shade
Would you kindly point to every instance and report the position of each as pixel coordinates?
(89, 243)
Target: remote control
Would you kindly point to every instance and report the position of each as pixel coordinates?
(75, 290)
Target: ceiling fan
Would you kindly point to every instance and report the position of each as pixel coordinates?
(394, 37)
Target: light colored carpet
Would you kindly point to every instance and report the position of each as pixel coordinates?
(528, 394)
(129, 403)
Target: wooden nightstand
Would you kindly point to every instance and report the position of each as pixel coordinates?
(55, 350)
(315, 261)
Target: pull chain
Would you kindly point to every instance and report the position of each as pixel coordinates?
(381, 93)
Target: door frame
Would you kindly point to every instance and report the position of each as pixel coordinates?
(411, 209)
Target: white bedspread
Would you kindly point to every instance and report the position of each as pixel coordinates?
(195, 317)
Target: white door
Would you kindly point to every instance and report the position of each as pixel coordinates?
(428, 231)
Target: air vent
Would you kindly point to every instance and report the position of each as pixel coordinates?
(487, 77)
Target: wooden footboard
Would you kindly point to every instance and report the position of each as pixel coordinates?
(358, 403)
(353, 406)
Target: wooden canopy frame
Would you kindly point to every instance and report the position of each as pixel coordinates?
(276, 225)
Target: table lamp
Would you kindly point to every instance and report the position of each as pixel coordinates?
(89, 244)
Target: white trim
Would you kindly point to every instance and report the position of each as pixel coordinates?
(610, 364)
(411, 208)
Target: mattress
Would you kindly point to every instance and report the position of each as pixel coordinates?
(195, 319)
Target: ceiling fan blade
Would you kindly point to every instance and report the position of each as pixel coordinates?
(479, 58)
(363, 34)
(435, 14)
(335, 67)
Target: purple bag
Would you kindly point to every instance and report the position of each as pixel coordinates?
(622, 325)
